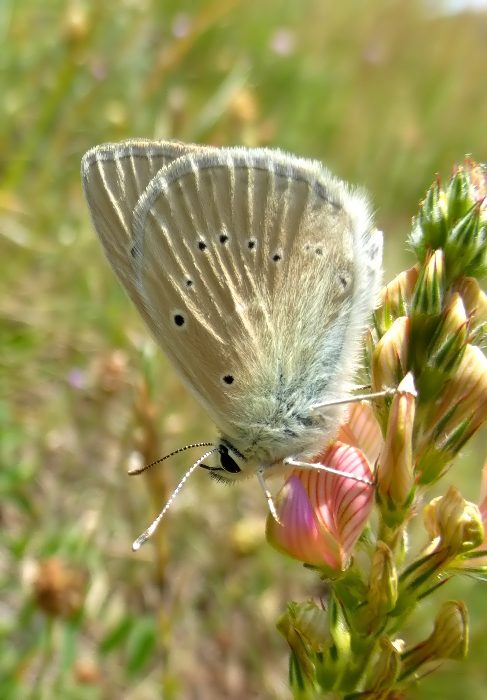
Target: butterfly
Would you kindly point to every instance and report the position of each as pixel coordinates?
(256, 272)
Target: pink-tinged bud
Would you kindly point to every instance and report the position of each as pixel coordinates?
(395, 473)
(400, 290)
(449, 639)
(396, 299)
(321, 514)
(456, 415)
(390, 355)
(362, 430)
(454, 522)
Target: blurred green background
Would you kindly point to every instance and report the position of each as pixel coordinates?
(386, 93)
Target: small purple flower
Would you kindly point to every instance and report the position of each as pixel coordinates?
(77, 378)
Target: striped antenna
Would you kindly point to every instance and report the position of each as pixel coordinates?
(139, 470)
(142, 539)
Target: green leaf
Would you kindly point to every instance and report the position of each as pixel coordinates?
(141, 645)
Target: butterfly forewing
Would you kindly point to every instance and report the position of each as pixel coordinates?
(114, 176)
(256, 273)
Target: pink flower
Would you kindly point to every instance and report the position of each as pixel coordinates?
(322, 515)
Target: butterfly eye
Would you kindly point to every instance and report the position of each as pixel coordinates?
(227, 462)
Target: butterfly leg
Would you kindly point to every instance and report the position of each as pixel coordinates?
(355, 398)
(322, 467)
(267, 494)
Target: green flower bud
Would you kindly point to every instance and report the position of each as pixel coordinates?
(335, 661)
(456, 523)
(302, 660)
(459, 197)
(449, 640)
(430, 226)
(383, 582)
(386, 669)
(445, 350)
(429, 291)
(466, 246)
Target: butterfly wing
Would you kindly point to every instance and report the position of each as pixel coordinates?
(114, 175)
(256, 272)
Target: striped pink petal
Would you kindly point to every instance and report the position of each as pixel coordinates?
(299, 533)
(362, 430)
(322, 515)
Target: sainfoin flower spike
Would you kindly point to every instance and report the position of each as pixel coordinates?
(427, 341)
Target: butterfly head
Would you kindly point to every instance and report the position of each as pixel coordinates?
(230, 464)
(263, 450)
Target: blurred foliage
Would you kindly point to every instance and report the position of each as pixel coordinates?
(386, 93)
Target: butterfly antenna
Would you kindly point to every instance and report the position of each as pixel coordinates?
(268, 495)
(154, 524)
(139, 470)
